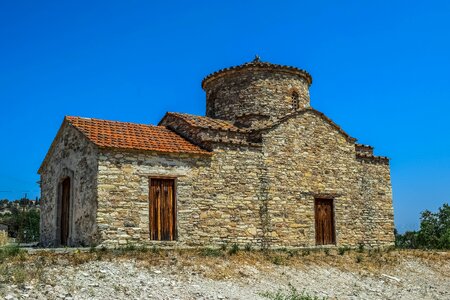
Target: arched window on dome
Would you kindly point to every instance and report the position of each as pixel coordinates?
(295, 100)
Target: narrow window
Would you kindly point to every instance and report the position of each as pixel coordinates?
(162, 207)
(295, 100)
(325, 233)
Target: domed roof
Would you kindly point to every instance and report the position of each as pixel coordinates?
(257, 64)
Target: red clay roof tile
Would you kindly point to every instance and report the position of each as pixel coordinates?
(123, 135)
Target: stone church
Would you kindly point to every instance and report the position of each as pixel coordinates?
(262, 167)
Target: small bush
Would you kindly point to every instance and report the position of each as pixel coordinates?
(248, 247)
(342, 250)
(306, 252)
(360, 247)
(291, 294)
(99, 256)
(277, 260)
(211, 252)
(224, 246)
(143, 249)
(10, 251)
(326, 251)
(129, 248)
(234, 249)
(359, 258)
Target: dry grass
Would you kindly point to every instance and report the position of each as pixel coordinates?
(215, 263)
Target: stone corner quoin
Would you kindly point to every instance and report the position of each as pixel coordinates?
(262, 167)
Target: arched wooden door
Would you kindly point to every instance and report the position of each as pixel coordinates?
(65, 210)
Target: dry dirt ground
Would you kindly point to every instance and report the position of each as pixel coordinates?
(217, 274)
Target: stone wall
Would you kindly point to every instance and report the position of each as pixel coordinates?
(376, 196)
(71, 155)
(306, 157)
(216, 202)
(237, 95)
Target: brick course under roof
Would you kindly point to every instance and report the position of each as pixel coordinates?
(123, 135)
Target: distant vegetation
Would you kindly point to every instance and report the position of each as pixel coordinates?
(434, 232)
(22, 218)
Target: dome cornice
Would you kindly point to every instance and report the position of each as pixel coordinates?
(257, 65)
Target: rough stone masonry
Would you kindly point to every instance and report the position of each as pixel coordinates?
(262, 167)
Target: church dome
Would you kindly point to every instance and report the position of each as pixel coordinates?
(256, 91)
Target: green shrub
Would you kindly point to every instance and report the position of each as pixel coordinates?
(130, 247)
(326, 251)
(10, 251)
(277, 260)
(359, 258)
(360, 247)
(234, 249)
(434, 232)
(212, 252)
(248, 247)
(143, 249)
(224, 246)
(407, 240)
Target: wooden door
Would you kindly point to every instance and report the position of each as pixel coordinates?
(325, 234)
(162, 209)
(65, 206)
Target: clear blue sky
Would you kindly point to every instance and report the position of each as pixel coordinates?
(380, 70)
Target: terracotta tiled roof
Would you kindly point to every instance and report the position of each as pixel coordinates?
(205, 122)
(258, 64)
(122, 135)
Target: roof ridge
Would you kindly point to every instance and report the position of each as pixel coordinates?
(199, 116)
(111, 121)
(202, 122)
(305, 110)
